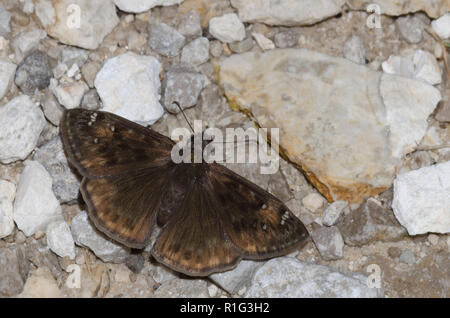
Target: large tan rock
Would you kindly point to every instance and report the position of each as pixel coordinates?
(346, 126)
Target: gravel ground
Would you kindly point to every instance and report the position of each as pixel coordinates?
(387, 239)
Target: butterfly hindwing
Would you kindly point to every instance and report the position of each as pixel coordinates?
(258, 224)
(101, 144)
(124, 168)
(125, 207)
(192, 241)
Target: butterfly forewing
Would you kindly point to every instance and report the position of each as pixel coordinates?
(102, 144)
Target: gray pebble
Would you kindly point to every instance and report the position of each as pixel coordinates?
(286, 39)
(410, 28)
(165, 40)
(34, 72)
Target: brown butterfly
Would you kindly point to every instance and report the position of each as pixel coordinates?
(210, 217)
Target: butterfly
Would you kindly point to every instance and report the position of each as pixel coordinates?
(209, 217)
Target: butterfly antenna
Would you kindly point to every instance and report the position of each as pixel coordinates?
(184, 115)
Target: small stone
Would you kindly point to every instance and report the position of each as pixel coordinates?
(183, 85)
(165, 40)
(7, 194)
(182, 288)
(74, 57)
(227, 28)
(333, 212)
(89, 71)
(70, 94)
(289, 277)
(196, 52)
(422, 199)
(28, 6)
(190, 24)
(38, 253)
(240, 277)
(20, 238)
(286, 39)
(442, 26)
(59, 239)
(433, 239)
(354, 50)
(85, 234)
(34, 72)
(370, 222)
(242, 46)
(27, 41)
(35, 206)
(287, 12)
(52, 109)
(263, 42)
(60, 20)
(212, 103)
(426, 67)
(65, 184)
(212, 290)
(21, 123)
(410, 28)
(313, 201)
(5, 18)
(91, 100)
(13, 271)
(128, 86)
(138, 6)
(41, 284)
(407, 257)
(215, 48)
(329, 242)
(418, 64)
(7, 72)
(73, 70)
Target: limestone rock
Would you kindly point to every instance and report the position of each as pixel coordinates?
(433, 8)
(287, 12)
(227, 28)
(21, 123)
(13, 271)
(442, 26)
(35, 206)
(137, 6)
(289, 277)
(85, 234)
(41, 284)
(65, 184)
(7, 193)
(238, 278)
(78, 22)
(370, 222)
(7, 72)
(128, 85)
(422, 199)
(59, 239)
(345, 125)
